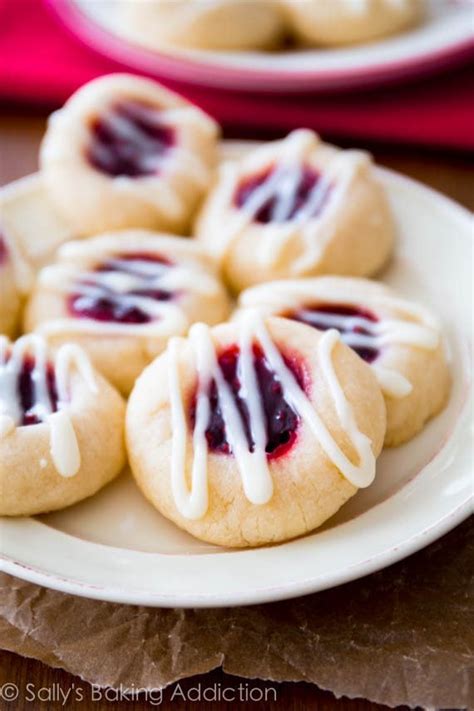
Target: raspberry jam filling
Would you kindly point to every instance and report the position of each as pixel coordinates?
(129, 140)
(279, 195)
(96, 298)
(352, 323)
(281, 421)
(26, 391)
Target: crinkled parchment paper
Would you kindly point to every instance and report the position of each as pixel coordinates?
(404, 635)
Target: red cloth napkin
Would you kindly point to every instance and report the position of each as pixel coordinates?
(42, 63)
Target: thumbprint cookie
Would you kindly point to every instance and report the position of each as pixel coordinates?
(220, 24)
(55, 415)
(399, 339)
(296, 207)
(122, 295)
(341, 22)
(15, 280)
(126, 152)
(254, 431)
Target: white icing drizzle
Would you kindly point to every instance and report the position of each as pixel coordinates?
(380, 333)
(316, 227)
(253, 466)
(63, 444)
(413, 325)
(64, 447)
(126, 276)
(392, 383)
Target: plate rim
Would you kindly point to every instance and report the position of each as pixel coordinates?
(199, 71)
(265, 595)
(307, 585)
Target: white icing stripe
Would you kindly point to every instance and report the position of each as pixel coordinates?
(315, 201)
(381, 333)
(253, 465)
(88, 294)
(63, 442)
(67, 358)
(363, 474)
(285, 192)
(126, 276)
(418, 329)
(137, 269)
(392, 383)
(187, 503)
(331, 320)
(64, 446)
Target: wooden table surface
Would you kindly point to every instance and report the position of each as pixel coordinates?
(40, 687)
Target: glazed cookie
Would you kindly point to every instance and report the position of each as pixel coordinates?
(15, 280)
(126, 152)
(340, 22)
(121, 296)
(399, 339)
(296, 207)
(61, 427)
(255, 431)
(221, 24)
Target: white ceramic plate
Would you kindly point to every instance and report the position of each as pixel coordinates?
(116, 547)
(442, 38)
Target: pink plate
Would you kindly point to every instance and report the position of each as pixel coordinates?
(443, 39)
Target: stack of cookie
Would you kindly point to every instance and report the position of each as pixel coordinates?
(228, 301)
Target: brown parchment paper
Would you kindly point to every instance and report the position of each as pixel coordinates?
(404, 635)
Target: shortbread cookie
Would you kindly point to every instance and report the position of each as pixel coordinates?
(255, 431)
(341, 22)
(61, 427)
(16, 278)
(400, 339)
(121, 296)
(33, 224)
(296, 207)
(219, 24)
(126, 152)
